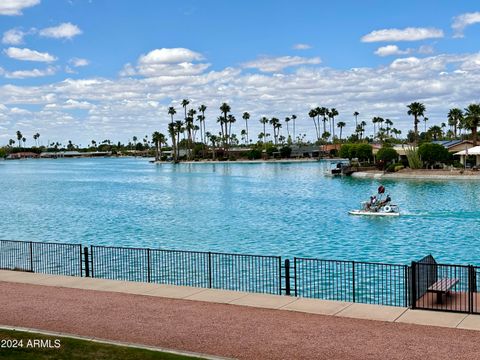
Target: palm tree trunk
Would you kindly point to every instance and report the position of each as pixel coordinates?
(246, 128)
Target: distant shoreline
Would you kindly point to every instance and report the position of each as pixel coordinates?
(419, 174)
(260, 161)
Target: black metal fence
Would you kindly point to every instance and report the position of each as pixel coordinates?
(49, 258)
(364, 282)
(423, 285)
(252, 273)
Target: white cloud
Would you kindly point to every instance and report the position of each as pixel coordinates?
(302, 46)
(28, 55)
(119, 108)
(460, 22)
(64, 30)
(78, 62)
(13, 37)
(390, 50)
(167, 62)
(169, 56)
(407, 34)
(276, 64)
(15, 7)
(426, 49)
(22, 74)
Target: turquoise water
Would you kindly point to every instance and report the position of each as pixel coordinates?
(287, 209)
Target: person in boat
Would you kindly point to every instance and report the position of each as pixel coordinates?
(385, 201)
(373, 201)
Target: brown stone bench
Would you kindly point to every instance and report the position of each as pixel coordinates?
(442, 286)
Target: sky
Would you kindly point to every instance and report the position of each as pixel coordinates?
(85, 70)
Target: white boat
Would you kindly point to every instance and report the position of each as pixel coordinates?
(373, 213)
(377, 207)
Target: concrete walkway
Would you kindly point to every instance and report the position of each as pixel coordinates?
(205, 321)
(266, 301)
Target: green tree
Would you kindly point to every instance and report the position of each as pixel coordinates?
(387, 155)
(294, 117)
(431, 153)
(341, 125)
(245, 117)
(416, 110)
(472, 120)
(455, 118)
(19, 137)
(313, 113)
(333, 112)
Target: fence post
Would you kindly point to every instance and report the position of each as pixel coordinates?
(295, 275)
(287, 277)
(471, 280)
(209, 270)
(413, 285)
(353, 281)
(148, 265)
(31, 256)
(86, 260)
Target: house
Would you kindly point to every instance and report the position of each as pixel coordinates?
(473, 151)
(454, 146)
(22, 155)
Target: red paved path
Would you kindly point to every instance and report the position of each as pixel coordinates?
(226, 330)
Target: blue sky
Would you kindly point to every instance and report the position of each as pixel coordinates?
(109, 69)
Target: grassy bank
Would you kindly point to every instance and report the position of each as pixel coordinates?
(64, 348)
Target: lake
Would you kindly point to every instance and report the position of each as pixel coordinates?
(287, 209)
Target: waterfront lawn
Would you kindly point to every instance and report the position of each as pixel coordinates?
(74, 349)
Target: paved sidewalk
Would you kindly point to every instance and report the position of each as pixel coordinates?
(313, 306)
(167, 317)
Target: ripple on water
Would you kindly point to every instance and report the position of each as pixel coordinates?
(272, 209)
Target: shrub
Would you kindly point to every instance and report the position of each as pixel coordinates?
(387, 155)
(285, 152)
(432, 153)
(398, 167)
(361, 151)
(364, 152)
(414, 161)
(391, 168)
(345, 151)
(254, 154)
(271, 149)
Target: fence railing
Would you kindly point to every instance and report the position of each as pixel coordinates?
(423, 285)
(364, 282)
(49, 258)
(252, 273)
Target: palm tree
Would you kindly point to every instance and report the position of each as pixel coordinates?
(341, 125)
(225, 109)
(425, 119)
(435, 131)
(416, 109)
(363, 124)
(355, 114)
(389, 124)
(245, 117)
(156, 140)
(19, 137)
(274, 122)
(202, 108)
(294, 117)
(313, 113)
(324, 113)
(375, 121)
(287, 120)
(472, 120)
(264, 121)
(231, 120)
(455, 117)
(333, 112)
(171, 131)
